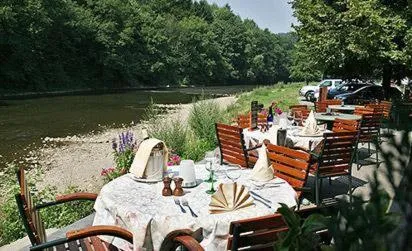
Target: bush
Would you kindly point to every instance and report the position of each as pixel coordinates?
(195, 148)
(202, 118)
(172, 132)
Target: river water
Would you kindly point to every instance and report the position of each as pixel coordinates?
(23, 123)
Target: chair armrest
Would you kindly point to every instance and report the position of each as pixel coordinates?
(254, 148)
(68, 197)
(87, 232)
(188, 242)
(100, 230)
(303, 189)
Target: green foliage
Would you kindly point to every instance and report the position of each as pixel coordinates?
(11, 226)
(172, 132)
(195, 148)
(58, 45)
(202, 118)
(353, 38)
(301, 234)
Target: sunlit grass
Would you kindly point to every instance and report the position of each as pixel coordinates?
(283, 94)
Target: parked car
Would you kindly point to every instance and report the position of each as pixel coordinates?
(308, 91)
(368, 94)
(345, 88)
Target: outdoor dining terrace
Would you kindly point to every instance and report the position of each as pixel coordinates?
(276, 179)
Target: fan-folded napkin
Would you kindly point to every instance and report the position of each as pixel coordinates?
(230, 197)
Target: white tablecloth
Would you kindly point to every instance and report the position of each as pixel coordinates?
(136, 206)
(293, 139)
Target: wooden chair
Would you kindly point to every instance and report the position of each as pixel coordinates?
(290, 165)
(261, 233)
(301, 116)
(345, 125)
(298, 107)
(243, 121)
(369, 128)
(232, 146)
(321, 106)
(83, 239)
(335, 158)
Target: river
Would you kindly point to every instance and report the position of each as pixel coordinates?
(23, 123)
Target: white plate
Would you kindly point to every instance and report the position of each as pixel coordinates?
(144, 180)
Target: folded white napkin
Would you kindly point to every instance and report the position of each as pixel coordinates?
(262, 171)
(272, 135)
(310, 125)
(142, 156)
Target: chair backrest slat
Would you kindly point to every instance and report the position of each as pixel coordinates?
(30, 216)
(288, 164)
(260, 232)
(370, 123)
(345, 125)
(337, 151)
(321, 106)
(231, 144)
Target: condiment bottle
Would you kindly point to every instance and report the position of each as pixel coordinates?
(178, 187)
(167, 191)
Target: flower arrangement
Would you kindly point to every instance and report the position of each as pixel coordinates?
(123, 152)
(174, 159)
(278, 111)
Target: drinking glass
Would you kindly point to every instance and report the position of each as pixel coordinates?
(210, 166)
(233, 175)
(212, 188)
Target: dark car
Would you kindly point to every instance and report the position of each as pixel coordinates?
(345, 88)
(368, 94)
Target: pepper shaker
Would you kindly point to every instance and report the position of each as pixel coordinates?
(167, 191)
(178, 187)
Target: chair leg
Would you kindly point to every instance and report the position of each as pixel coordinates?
(330, 181)
(317, 191)
(350, 188)
(369, 148)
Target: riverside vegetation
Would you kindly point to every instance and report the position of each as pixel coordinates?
(189, 140)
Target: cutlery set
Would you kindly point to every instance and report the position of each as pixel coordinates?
(186, 204)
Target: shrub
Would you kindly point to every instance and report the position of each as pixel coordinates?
(202, 118)
(172, 132)
(195, 148)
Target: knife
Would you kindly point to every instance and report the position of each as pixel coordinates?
(261, 201)
(257, 195)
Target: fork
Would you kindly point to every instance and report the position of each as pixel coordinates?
(177, 202)
(186, 204)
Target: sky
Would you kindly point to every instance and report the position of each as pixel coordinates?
(276, 15)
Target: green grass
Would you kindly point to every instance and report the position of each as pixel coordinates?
(284, 95)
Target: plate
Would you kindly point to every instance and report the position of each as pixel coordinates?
(320, 134)
(144, 180)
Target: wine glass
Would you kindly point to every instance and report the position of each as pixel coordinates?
(233, 175)
(212, 188)
(210, 166)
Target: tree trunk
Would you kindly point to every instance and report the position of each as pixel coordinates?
(386, 80)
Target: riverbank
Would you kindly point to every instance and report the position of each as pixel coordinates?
(79, 160)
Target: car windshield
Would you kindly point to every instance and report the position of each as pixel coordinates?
(339, 84)
(325, 83)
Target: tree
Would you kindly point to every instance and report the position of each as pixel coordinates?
(353, 38)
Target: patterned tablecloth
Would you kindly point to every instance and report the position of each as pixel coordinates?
(140, 208)
(293, 138)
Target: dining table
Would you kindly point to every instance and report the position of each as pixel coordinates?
(329, 117)
(139, 207)
(294, 138)
(342, 108)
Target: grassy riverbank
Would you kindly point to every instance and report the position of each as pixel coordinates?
(189, 131)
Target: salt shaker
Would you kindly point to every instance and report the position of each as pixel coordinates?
(178, 187)
(167, 191)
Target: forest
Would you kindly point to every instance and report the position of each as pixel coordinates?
(72, 44)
